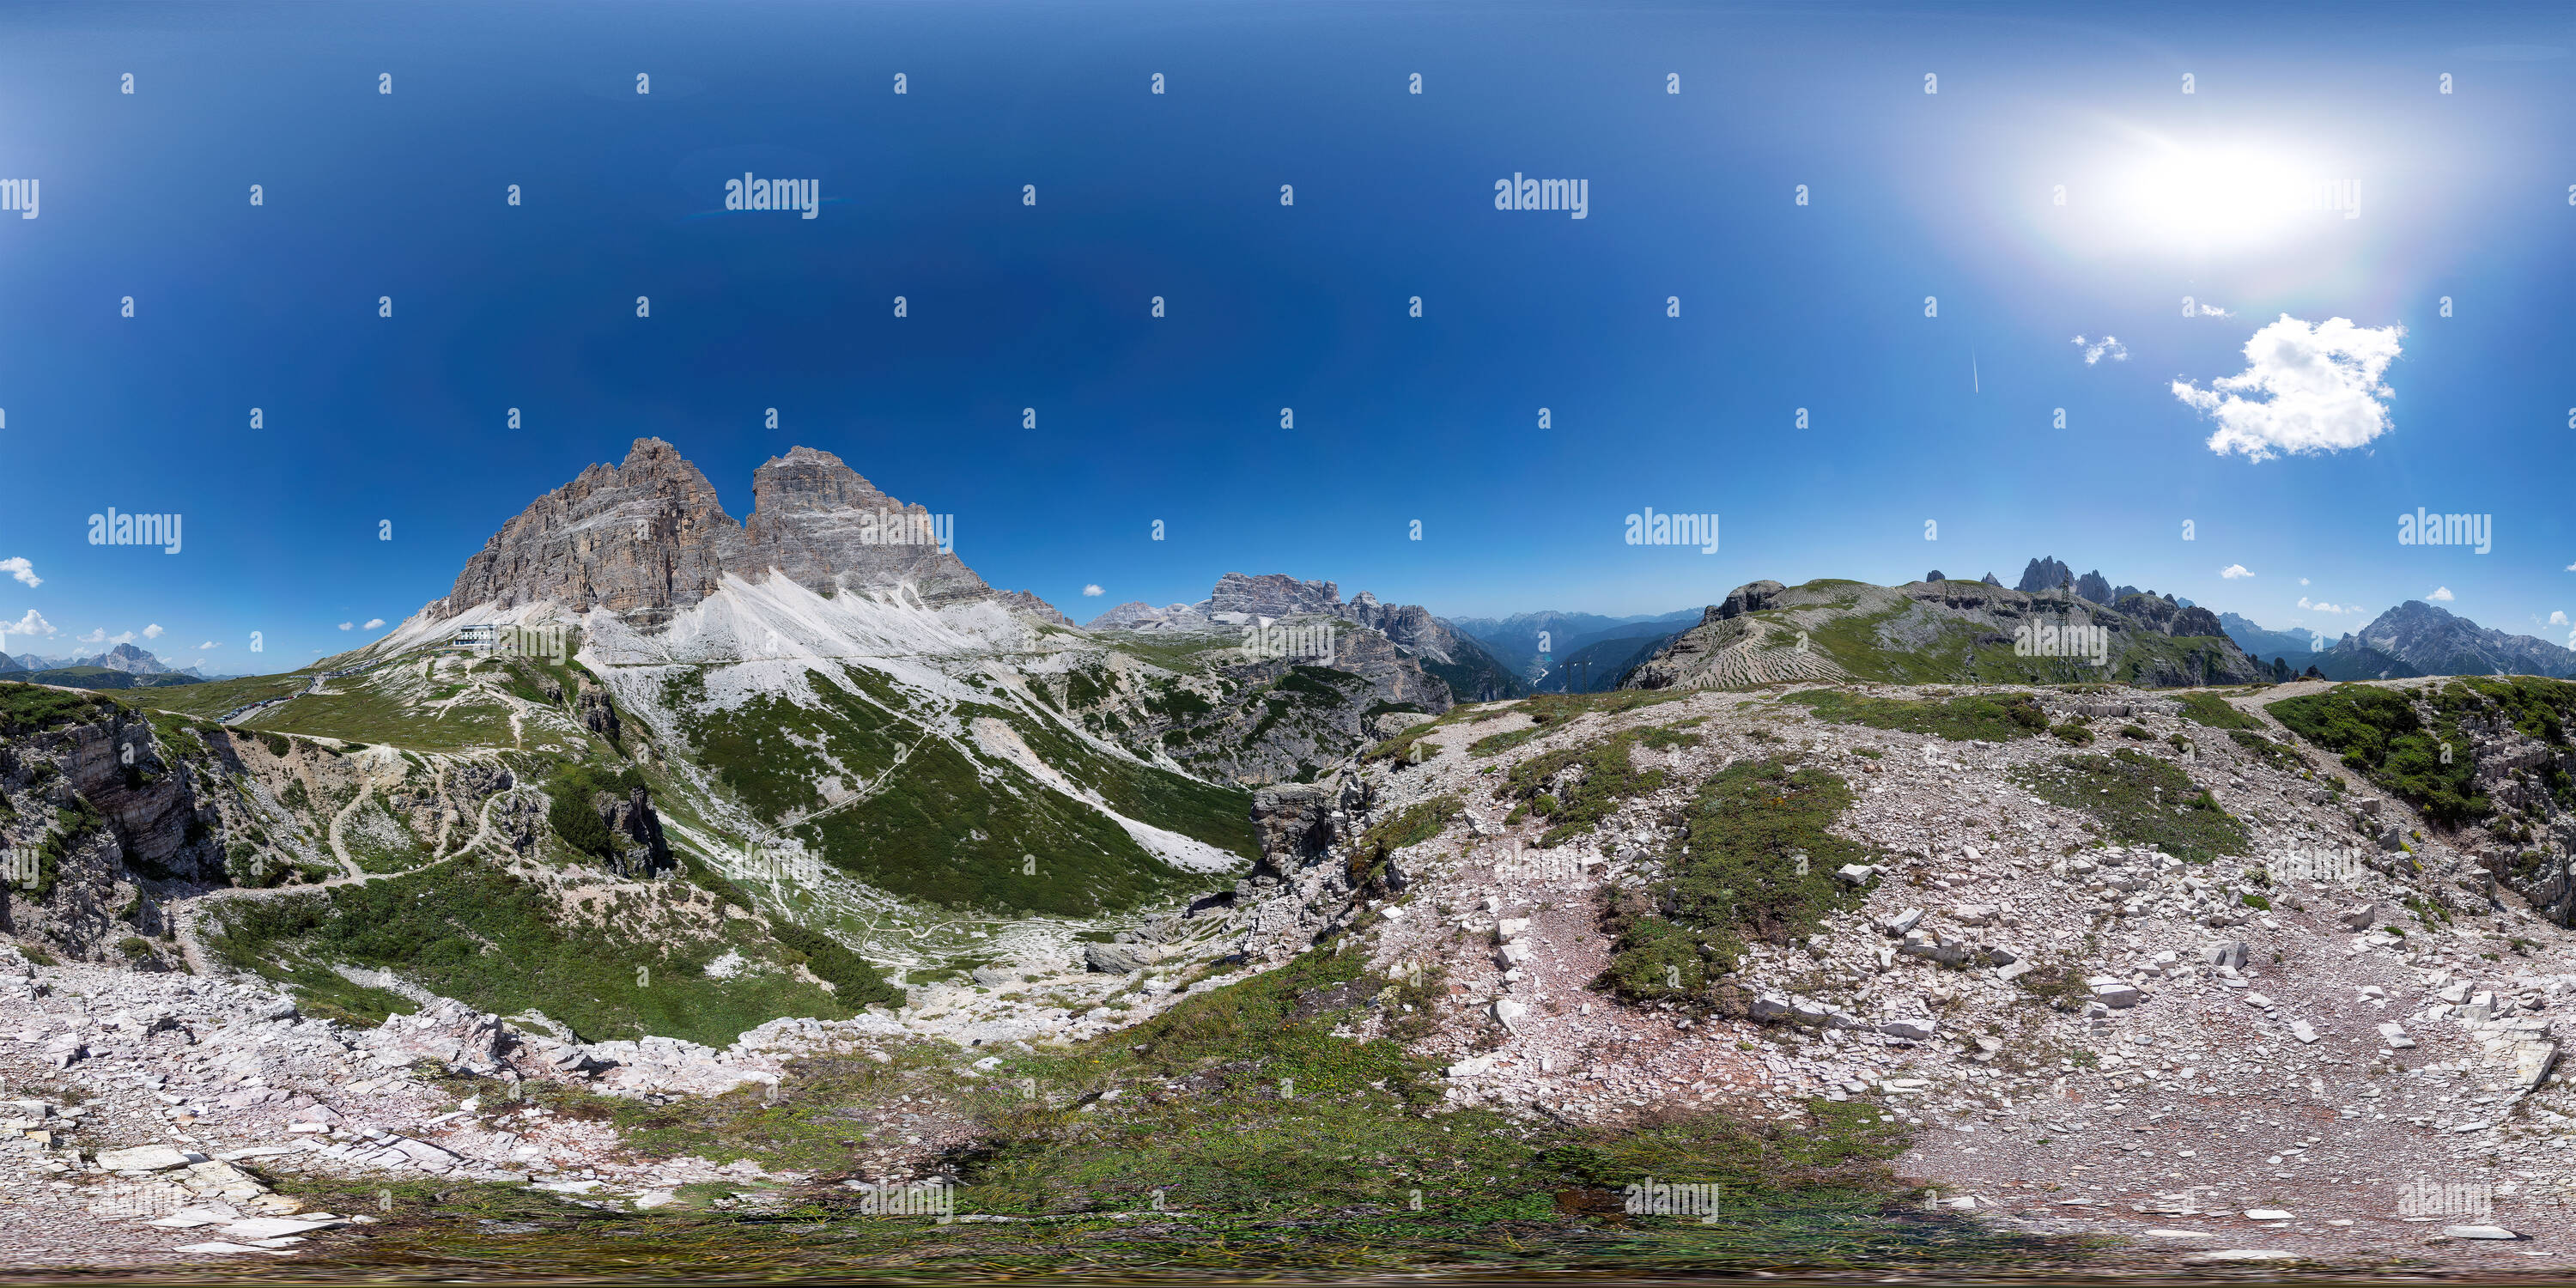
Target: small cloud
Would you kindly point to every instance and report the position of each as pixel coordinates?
(2558, 618)
(2571, 567)
(372, 623)
(348, 626)
(2234, 571)
(2106, 347)
(98, 636)
(2303, 581)
(24, 571)
(1089, 591)
(152, 632)
(2213, 311)
(2441, 595)
(209, 644)
(2322, 606)
(33, 623)
(2304, 389)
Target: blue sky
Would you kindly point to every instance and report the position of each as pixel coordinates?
(1951, 419)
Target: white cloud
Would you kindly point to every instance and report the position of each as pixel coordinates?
(33, 624)
(2441, 595)
(372, 623)
(2313, 389)
(2213, 311)
(98, 636)
(1089, 591)
(209, 644)
(2234, 571)
(2303, 581)
(2558, 618)
(24, 571)
(2322, 606)
(2096, 350)
(348, 626)
(2571, 567)
(152, 632)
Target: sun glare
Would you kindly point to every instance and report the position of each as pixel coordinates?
(2222, 197)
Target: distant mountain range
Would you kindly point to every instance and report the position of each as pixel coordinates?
(2434, 641)
(2292, 646)
(1471, 671)
(121, 667)
(1946, 632)
(1572, 638)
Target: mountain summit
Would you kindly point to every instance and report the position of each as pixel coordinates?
(2435, 641)
(648, 537)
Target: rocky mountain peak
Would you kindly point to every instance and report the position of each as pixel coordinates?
(807, 479)
(2043, 575)
(2436, 641)
(648, 537)
(1271, 595)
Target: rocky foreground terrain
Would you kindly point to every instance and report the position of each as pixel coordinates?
(2121, 970)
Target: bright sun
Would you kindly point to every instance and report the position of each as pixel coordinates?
(2221, 197)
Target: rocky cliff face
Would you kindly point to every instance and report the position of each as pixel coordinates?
(1272, 595)
(638, 539)
(93, 815)
(815, 520)
(635, 832)
(649, 537)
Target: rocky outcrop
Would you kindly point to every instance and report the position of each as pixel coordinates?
(1293, 822)
(648, 537)
(1765, 633)
(1271, 595)
(2044, 574)
(599, 715)
(635, 834)
(1021, 601)
(93, 814)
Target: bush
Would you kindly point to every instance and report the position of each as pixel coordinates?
(2000, 718)
(1412, 825)
(28, 708)
(569, 794)
(1590, 783)
(2073, 735)
(2139, 800)
(247, 867)
(1757, 862)
(855, 981)
(2212, 710)
(2378, 733)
